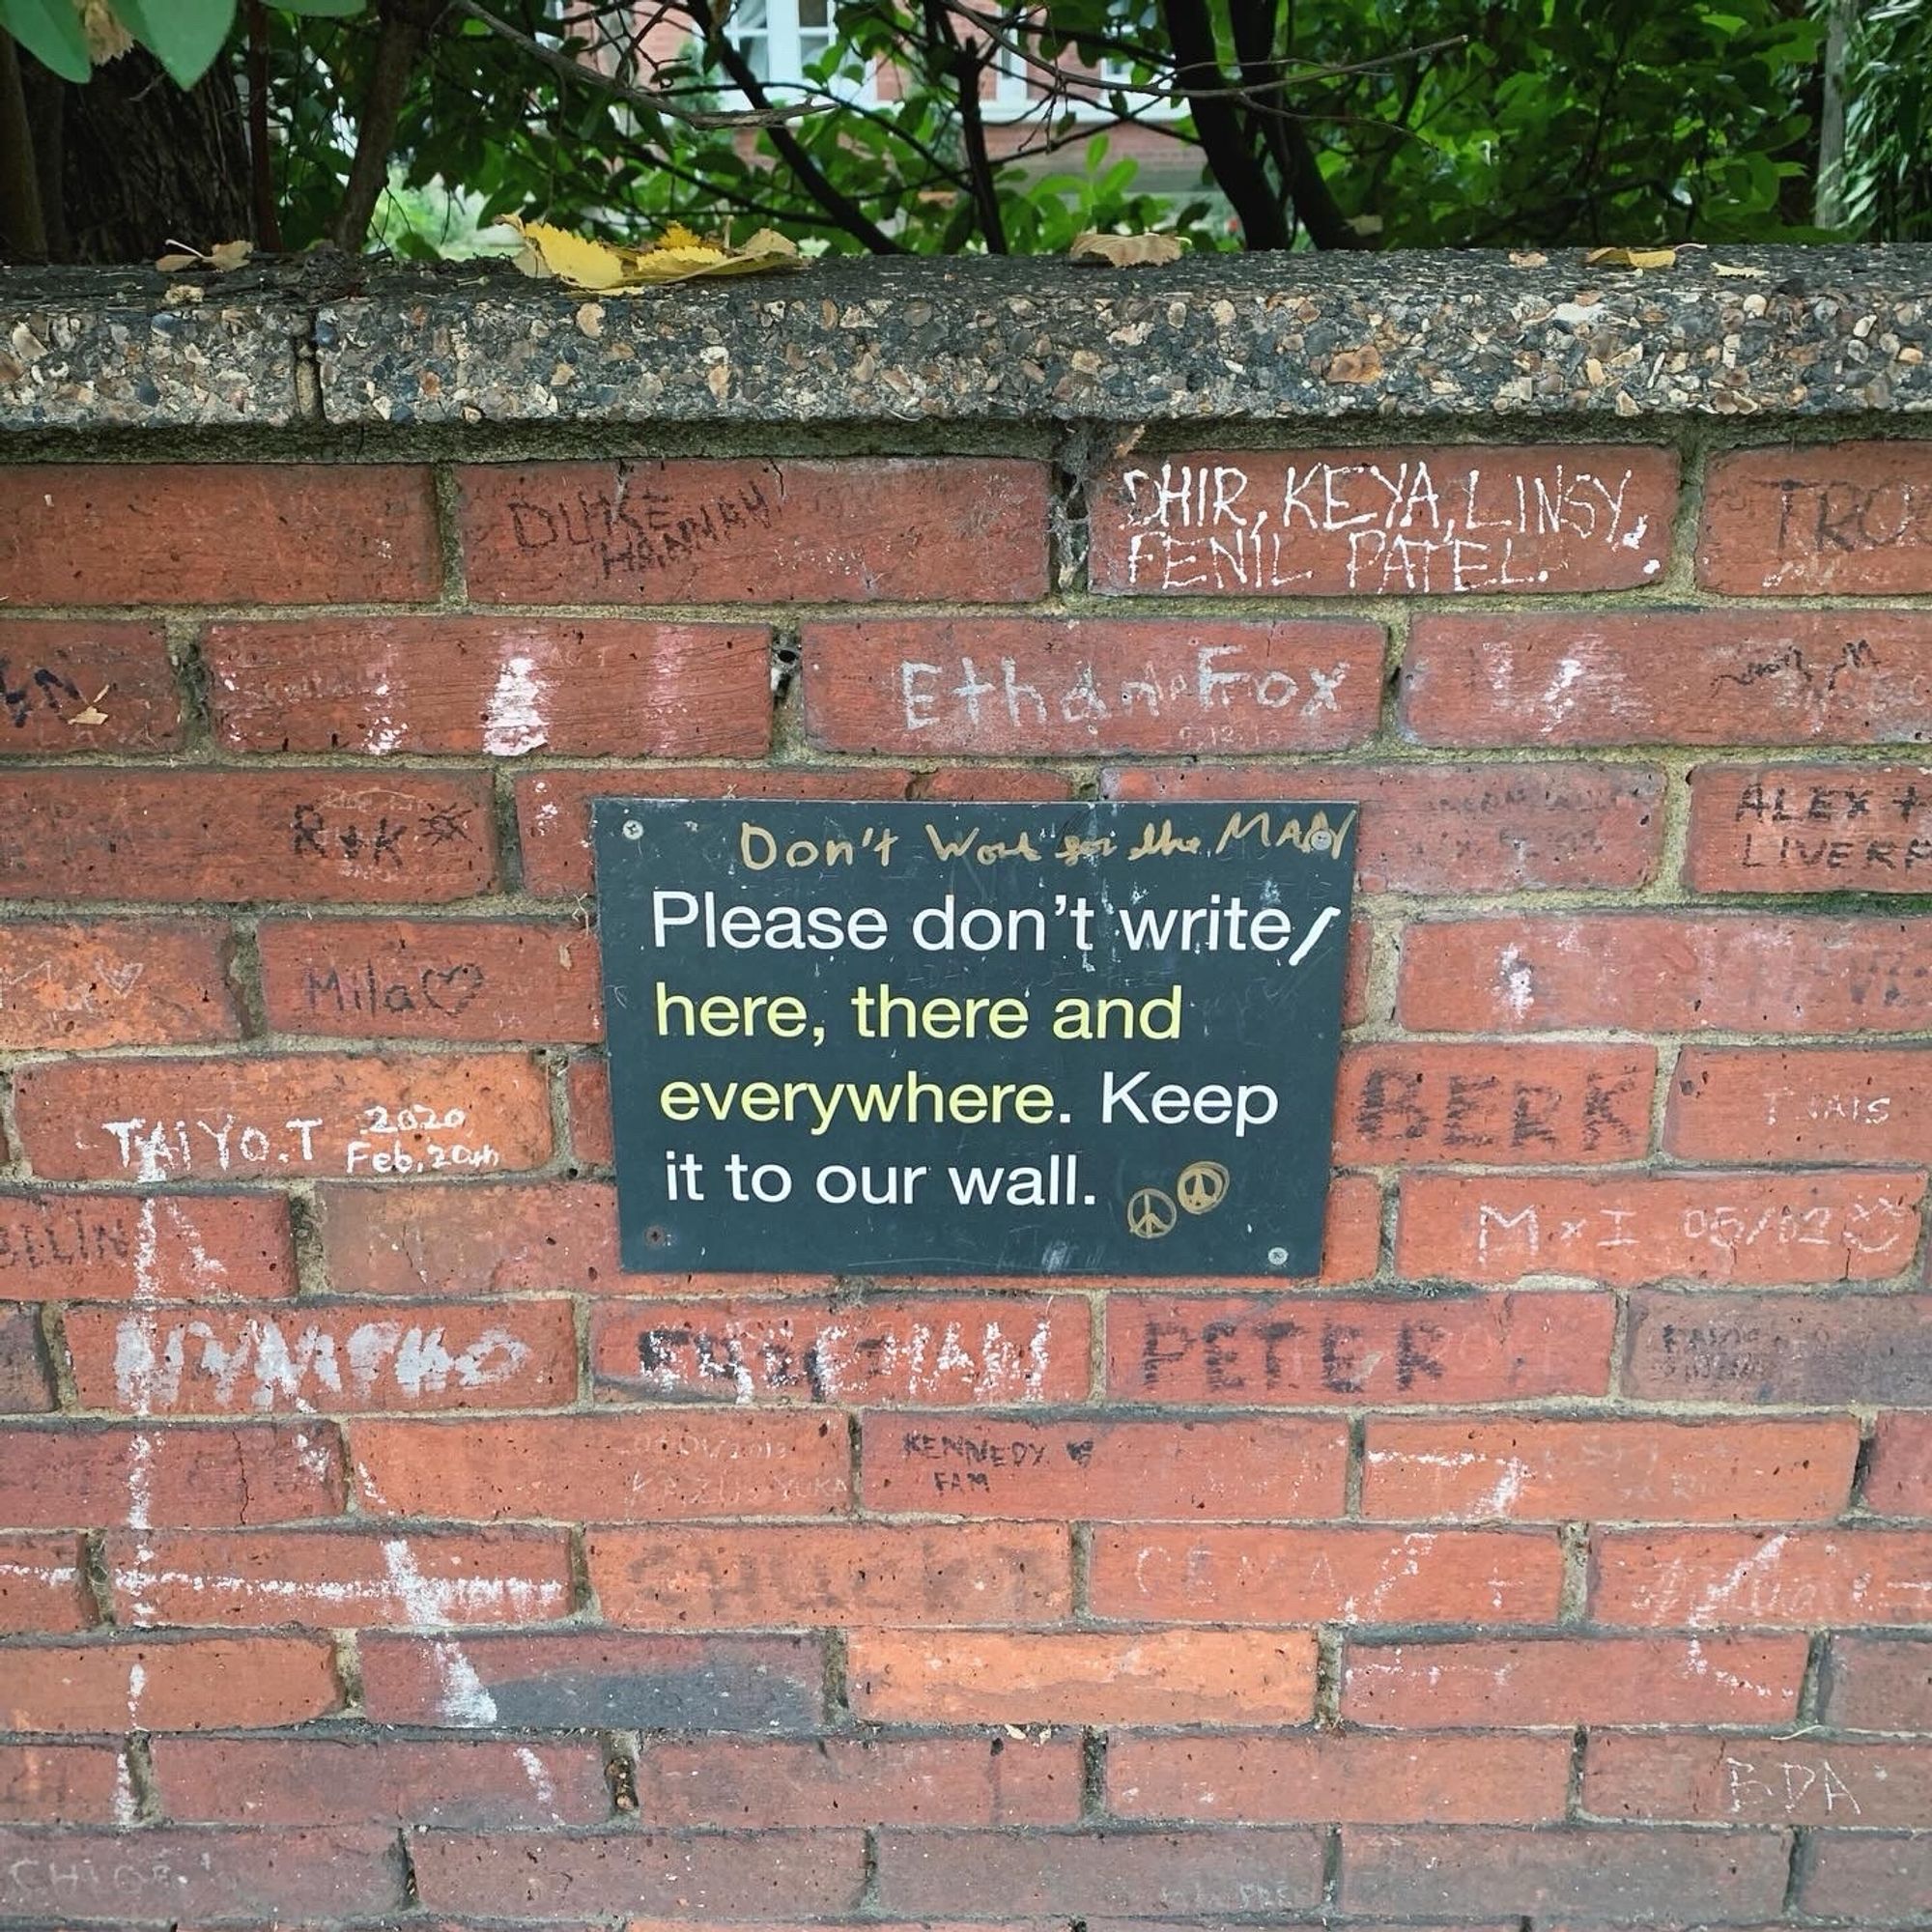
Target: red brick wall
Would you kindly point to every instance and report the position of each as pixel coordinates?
(377, 1548)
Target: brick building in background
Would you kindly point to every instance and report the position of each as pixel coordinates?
(377, 1552)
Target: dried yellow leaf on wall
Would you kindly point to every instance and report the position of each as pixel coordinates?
(1125, 251)
(677, 255)
(1635, 258)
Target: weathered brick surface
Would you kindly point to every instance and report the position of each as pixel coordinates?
(335, 838)
(1264, 1350)
(1493, 1106)
(1452, 828)
(57, 678)
(736, 533)
(1384, 521)
(1352, 1779)
(1860, 1104)
(1746, 1228)
(1810, 829)
(218, 533)
(309, 1358)
(92, 1476)
(1082, 1676)
(1854, 519)
(895, 1351)
(1574, 1680)
(1668, 971)
(1228, 1573)
(553, 807)
(1671, 677)
(1780, 1347)
(1737, 1780)
(282, 1116)
(373, 1546)
(1535, 1469)
(423, 979)
(1602, 1875)
(503, 687)
(1101, 1469)
(1069, 686)
(74, 984)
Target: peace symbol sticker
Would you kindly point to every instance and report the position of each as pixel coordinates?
(1202, 1187)
(1151, 1213)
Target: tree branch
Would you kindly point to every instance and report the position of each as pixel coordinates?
(403, 29)
(1224, 140)
(965, 67)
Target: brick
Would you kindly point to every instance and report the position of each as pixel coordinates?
(1668, 972)
(1404, 522)
(587, 1098)
(1072, 686)
(168, 1875)
(691, 1875)
(1899, 1481)
(1493, 1105)
(1009, 1874)
(340, 1580)
(124, 1247)
(1855, 1875)
(1574, 1680)
(1810, 829)
(500, 686)
(1550, 1469)
(859, 1782)
(1878, 1684)
(1780, 1347)
(443, 979)
(1327, 1777)
(608, 1468)
(74, 1783)
(44, 1585)
(970, 1351)
(218, 533)
(113, 983)
(1668, 677)
(1627, 1230)
(1865, 1104)
(1337, 1574)
(193, 1684)
(1734, 1780)
(416, 837)
(953, 530)
(343, 1356)
(1254, 1350)
(1451, 828)
(1849, 518)
(1605, 1873)
(282, 1116)
(87, 1476)
(1082, 1676)
(1102, 1469)
(26, 1378)
(86, 687)
(596, 1680)
(470, 1785)
(1798, 1578)
(553, 807)
(497, 1239)
(737, 1575)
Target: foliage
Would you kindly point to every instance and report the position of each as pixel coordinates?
(1404, 122)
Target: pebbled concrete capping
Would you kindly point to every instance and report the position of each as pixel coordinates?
(1798, 333)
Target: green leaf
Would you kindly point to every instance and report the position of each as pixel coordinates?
(51, 31)
(183, 34)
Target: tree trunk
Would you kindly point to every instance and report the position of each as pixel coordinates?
(130, 161)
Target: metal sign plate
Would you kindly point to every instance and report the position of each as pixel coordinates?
(945, 1040)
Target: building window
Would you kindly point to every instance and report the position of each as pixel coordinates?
(780, 39)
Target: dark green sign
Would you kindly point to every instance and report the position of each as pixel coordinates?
(1032, 1039)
